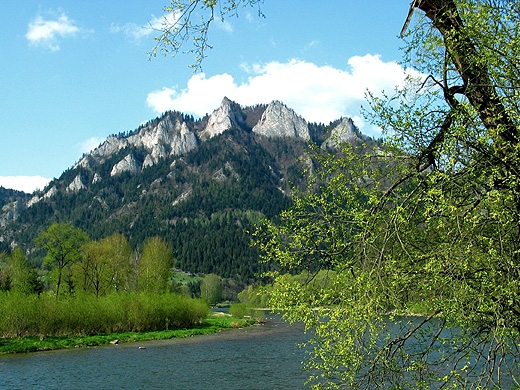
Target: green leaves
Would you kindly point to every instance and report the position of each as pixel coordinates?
(421, 237)
(189, 21)
(63, 244)
(155, 266)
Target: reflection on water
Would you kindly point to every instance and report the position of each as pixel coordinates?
(257, 357)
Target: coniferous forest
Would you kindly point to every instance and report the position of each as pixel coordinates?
(203, 203)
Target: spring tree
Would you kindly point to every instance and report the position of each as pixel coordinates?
(155, 266)
(105, 265)
(63, 243)
(427, 224)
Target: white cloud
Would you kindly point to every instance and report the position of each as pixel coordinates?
(318, 93)
(24, 183)
(43, 32)
(154, 26)
(224, 25)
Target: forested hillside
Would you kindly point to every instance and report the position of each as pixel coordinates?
(7, 196)
(201, 200)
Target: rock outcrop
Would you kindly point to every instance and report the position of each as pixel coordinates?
(280, 121)
(345, 131)
(169, 136)
(128, 164)
(96, 178)
(51, 192)
(227, 116)
(174, 135)
(76, 185)
(10, 211)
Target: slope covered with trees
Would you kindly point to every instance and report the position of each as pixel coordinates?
(202, 202)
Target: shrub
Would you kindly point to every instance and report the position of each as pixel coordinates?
(23, 315)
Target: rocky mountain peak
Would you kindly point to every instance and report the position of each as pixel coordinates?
(345, 131)
(280, 121)
(165, 136)
(169, 136)
(174, 134)
(227, 116)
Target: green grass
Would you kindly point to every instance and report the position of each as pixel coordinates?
(184, 278)
(212, 324)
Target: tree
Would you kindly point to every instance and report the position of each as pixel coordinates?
(211, 289)
(23, 277)
(5, 277)
(428, 224)
(178, 27)
(155, 265)
(105, 265)
(120, 253)
(63, 243)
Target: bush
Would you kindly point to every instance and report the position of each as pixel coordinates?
(24, 315)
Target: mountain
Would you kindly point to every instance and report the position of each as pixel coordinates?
(200, 184)
(11, 203)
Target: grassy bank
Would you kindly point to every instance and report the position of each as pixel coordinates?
(212, 324)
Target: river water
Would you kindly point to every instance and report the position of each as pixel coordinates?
(254, 358)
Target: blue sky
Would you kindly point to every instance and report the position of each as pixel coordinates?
(73, 72)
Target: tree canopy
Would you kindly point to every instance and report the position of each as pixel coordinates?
(429, 224)
(188, 21)
(63, 243)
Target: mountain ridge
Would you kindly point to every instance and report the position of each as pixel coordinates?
(198, 183)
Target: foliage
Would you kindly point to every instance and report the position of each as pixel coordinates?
(256, 296)
(63, 242)
(21, 276)
(8, 195)
(426, 225)
(241, 310)
(211, 324)
(211, 289)
(154, 266)
(5, 277)
(105, 266)
(201, 203)
(86, 314)
(179, 27)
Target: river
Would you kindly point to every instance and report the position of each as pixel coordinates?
(254, 358)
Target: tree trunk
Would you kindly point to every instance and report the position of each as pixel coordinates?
(478, 86)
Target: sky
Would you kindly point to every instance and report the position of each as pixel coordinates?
(73, 72)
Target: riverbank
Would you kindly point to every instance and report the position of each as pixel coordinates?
(212, 324)
(255, 357)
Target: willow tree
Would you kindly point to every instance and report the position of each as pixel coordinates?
(105, 266)
(155, 266)
(63, 243)
(428, 224)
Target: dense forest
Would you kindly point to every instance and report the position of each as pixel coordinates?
(202, 203)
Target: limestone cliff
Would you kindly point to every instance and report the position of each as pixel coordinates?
(280, 121)
(227, 116)
(128, 164)
(345, 131)
(76, 184)
(168, 136)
